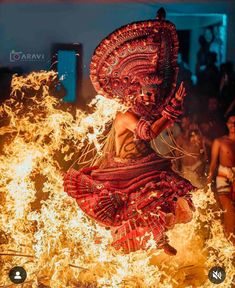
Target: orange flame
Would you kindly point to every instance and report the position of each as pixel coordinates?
(42, 228)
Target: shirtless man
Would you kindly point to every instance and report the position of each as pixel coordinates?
(223, 153)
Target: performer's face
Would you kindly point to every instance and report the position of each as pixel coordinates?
(147, 96)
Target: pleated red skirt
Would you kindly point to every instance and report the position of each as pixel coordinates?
(132, 198)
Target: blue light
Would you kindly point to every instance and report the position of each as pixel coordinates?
(66, 68)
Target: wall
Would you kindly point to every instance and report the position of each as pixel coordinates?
(35, 27)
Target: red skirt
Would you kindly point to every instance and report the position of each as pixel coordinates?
(131, 198)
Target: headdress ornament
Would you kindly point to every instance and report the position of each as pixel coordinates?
(137, 64)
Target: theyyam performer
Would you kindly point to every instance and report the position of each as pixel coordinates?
(131, 189)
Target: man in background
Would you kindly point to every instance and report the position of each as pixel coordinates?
(223, 154)
(192, 158)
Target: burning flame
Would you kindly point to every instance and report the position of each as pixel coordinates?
(43, 230)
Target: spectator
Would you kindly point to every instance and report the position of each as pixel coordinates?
(223, 153)
(208, 36)
(217, 45)
(227, 86)
(208, 78)
(192, 161)
(212, 125)
(202, 55)
(184, 72)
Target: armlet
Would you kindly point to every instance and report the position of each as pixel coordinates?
(173, 110)
(144, 131)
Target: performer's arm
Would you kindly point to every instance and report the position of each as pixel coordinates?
(147, 130)
(129, 121)
(214, 159)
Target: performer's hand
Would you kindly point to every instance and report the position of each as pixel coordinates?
(175, 108)
(181, 93)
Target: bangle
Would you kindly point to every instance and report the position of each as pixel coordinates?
(143, 130)
(175, 102)
(170, 112)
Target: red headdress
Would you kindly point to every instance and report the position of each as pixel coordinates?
(137, 65)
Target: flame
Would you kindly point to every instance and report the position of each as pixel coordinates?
(43, 230)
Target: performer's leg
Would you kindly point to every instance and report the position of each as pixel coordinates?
(183, 214)
(229, 216)
(168, 249)
(164, 244)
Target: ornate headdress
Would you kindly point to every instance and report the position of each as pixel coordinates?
(137, 65)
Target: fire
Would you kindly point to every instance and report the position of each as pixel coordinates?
(43, 230)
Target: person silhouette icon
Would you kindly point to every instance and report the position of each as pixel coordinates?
(17, 276)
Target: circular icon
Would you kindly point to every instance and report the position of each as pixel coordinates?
(217, 275)
(17, 275)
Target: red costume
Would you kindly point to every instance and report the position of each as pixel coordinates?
(133, 196)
